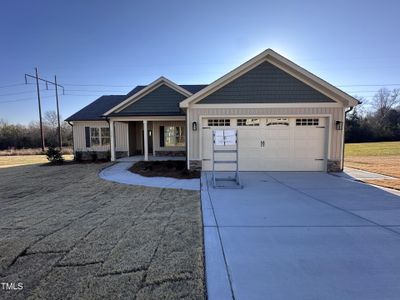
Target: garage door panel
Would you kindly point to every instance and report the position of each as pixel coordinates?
(276, 147)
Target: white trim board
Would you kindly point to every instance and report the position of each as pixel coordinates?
(148, 118)
(327, 116)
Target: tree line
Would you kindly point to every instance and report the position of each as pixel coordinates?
(18, 136)
(375, 120)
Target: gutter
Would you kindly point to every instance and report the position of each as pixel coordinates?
(344, 133)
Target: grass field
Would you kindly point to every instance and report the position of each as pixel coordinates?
(10, 161)
(380, 157)
(31, 151)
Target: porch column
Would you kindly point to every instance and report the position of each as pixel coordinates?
(112, 140)
(145, 141)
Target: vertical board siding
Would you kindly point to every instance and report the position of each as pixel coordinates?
(336, 113)
(121, 131)
(121, 136)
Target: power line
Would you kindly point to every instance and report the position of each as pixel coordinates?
(11, 85)
(355, 85)
(19, 93)
(102, 85)
(24, 99)
(130, 86)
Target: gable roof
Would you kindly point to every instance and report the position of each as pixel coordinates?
(162, 101)
(95, 110)
(266, 83)
(148, 89)
(282, 63)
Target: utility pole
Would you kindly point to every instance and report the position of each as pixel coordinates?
(40, 109)
(47, 82)
(58, 114)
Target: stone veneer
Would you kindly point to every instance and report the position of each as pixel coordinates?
(334, 166)
(100, 155)
(195, 165)
(171, 153)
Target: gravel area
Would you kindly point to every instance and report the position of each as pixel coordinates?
(67, 234)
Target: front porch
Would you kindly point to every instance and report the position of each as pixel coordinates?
(133, 139)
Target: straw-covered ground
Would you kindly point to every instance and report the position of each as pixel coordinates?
(66, 234)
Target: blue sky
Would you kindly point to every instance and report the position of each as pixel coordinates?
(108, 47)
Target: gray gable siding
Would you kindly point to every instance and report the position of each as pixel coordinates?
(265, 83)
(161, 101)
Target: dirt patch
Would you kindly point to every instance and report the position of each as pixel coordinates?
(168, 168)
(67, 234)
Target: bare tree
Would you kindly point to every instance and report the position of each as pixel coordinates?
(50, 117)
(385, 100)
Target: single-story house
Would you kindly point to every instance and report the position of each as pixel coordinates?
(286, 118)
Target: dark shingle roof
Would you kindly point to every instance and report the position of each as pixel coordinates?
(95, 110)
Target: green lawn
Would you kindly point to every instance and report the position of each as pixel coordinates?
(373, 149)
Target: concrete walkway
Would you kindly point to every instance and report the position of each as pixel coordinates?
(119, 173)
(361, 174)
(301, 235)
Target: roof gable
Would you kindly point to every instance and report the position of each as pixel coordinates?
(265, 83)
(161, 101)
(283, 64)
(148, 89)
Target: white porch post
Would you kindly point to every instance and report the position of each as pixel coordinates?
(112, 140)
(146, 142)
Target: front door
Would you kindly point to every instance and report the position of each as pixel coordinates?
(149, 141)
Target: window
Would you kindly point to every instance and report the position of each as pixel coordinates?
(174, 136)
(248, 122)
(105, 136)
(277, 122)
(219, 122)
(307, 122)
(94, 136)
(99, 136)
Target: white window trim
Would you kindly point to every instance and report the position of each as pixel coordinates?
(100, 136)
(175, 146)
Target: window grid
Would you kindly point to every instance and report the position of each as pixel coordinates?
(174, 136)
(248, 122)
(99, 136)
(219, 122)
(307, 122)
(278, 121)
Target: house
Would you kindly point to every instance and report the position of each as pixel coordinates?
(287, 119)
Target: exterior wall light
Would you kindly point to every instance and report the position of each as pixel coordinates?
(339, 125)
(194, 126)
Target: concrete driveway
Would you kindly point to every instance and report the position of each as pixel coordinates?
(293, 235)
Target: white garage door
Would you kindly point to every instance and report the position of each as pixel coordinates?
(272, 144)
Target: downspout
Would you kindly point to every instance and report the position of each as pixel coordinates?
(344, 133)
(187, 140)
(73, 144)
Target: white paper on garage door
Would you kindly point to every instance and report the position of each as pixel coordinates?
(219, 138)
(230, 137)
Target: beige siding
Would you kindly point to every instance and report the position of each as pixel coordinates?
(156, 131)
(336, 113)
(121, 131)
(121, 136)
